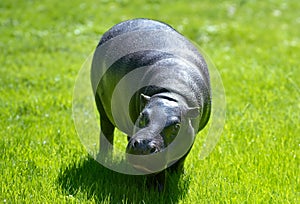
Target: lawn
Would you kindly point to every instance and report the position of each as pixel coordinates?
(255, 45)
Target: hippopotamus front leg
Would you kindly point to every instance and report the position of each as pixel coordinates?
(107, 130)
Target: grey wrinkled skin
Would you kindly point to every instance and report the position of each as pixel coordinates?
(177, 98)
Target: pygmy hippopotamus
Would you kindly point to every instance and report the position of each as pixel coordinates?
(161, 89)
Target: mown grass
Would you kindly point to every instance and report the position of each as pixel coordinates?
(254, 44)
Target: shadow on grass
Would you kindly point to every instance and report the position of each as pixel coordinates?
(88, 179)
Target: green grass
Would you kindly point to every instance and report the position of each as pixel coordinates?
(254, 44)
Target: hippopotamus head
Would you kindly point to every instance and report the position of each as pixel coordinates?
(159, 123)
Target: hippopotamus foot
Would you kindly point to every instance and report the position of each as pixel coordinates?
(178, 167)
(157, 181)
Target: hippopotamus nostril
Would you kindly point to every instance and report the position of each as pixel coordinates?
(153, 150)
(135, 144)
(152, 147)
(139, 144)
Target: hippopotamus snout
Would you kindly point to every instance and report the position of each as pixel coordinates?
(142, 147)
(145, 142)
(153, 127)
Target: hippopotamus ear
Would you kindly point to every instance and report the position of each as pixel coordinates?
(193, 112)
(145, 99)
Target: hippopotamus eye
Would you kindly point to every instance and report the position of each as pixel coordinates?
(176, 127)
(170, 132)
(144, 120)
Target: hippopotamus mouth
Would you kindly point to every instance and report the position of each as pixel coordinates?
(143, 168)
(147, 163)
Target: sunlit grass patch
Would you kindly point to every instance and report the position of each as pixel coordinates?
(254, 45)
